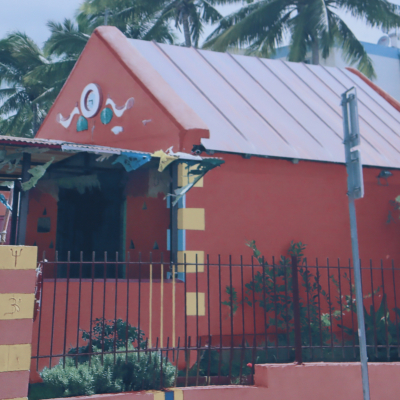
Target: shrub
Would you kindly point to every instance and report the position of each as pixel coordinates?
(107, 335)
(120, 371)
(115, 373)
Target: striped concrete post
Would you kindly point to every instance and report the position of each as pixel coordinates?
(17, 298)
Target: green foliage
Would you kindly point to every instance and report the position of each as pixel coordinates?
(262, 26)
(272, 289)
(191, 15)
(136, 19)
(108, 335)
(110, 374)
(23, 101)
(121, 371)
(382, 334)
(216, 363)
(233, 300)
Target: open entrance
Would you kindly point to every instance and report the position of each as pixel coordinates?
(91, 221)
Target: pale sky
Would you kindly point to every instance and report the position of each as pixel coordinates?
(31, 16)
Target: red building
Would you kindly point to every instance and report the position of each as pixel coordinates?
(277, 127)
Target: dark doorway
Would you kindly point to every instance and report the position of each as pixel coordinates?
(90, 222)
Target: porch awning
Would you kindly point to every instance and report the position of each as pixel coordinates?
(44, 150)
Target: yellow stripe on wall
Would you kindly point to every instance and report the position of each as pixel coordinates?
(16, 305)
(159, 395)
(150, 305)
(191, 300)
(191, 259)
(178, 393)
(184, 179)
(162, 308)
(191, 219)
(18, 257)
(173, 305)
(15, 357)
(18, 398)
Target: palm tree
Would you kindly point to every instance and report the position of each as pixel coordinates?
(31, 78)
(263, 25)
(23, 101)
(191, 15)
(137, 19)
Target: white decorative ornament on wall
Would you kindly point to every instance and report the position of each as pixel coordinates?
(119, 111)
(117, 129)
(66, 121)
(91, 99)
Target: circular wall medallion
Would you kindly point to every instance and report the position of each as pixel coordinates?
(91, 100)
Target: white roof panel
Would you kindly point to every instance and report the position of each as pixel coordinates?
(275, 108)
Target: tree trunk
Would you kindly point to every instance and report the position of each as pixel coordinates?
(186, 30)
(315, 50)
(35, 119)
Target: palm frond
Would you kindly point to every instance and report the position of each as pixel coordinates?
(66, 38)
(353, 50)
(246, 26)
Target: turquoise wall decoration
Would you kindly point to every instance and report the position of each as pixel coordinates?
(82, 124)
(106, 116)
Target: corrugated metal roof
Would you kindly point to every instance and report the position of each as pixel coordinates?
(64, 146)
(76, 147)
(34, 141)
(275, 108)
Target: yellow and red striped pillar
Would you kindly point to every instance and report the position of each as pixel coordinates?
(190, 219)
(17, 299)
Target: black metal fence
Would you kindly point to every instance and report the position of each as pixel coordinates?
(210, 322)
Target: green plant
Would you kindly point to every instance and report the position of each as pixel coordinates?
(109, 374)
(381, 332)
(107, 335)
(233, 300)
(273, 291)
(122, 369)
(314, 26)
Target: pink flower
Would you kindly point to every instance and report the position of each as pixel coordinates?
(249, 365)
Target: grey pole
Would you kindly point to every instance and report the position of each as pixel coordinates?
(355, 191)
(106, 16)
(24, 201)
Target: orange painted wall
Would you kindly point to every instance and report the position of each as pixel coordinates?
(275, 201)
(304, 202)
(99, 65)
(147, 222)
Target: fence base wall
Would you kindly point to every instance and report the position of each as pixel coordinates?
(328, 381)
(311, 381)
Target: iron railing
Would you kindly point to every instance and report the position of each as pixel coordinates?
(213, 319)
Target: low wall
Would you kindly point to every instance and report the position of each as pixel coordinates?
(328, 381)
(313, 381)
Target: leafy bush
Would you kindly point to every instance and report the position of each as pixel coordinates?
(272, 290)
(106, 373)
(107, 335)
(382, 334)
(130, 372)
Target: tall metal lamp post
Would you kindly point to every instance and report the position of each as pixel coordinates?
(355, 190)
